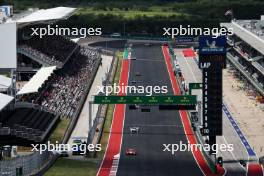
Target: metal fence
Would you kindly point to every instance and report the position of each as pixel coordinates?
(24, 165)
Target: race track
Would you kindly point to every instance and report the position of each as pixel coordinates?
(157, 127)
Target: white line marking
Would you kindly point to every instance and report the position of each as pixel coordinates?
(233, 153)
(190, 69)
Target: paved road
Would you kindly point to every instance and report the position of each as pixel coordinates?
(156, 127)
(231, 159)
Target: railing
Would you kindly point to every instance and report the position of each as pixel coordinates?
(26, 105)
(35, 55)
(38, 56)
(247, 75)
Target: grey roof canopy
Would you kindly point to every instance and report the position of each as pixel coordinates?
(5, 100)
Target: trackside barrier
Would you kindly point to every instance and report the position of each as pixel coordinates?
(101, 50)
(102, 110)
(197, 133)
(171, 52)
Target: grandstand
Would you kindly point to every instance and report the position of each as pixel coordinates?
(246, 52)
(62, 92)
(25, 125)
(62, 73)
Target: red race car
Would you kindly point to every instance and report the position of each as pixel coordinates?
(131, 152)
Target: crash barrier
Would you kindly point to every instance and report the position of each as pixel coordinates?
(99, 120)
(101, 50)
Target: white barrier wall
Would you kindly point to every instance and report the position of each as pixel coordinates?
(8, 53)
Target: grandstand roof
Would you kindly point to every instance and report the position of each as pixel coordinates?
(5, 100)
(47, 14)
(37, 80)
(5, 82)
(246, 35)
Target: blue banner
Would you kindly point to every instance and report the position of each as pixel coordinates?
(181, 39)
(209, 45)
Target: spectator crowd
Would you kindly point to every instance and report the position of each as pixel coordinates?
(62, 92)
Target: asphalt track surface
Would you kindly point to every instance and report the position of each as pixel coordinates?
(157, 127)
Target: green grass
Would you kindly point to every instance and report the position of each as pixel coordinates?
(118, 70)
(60, 130)
(129, 14)
(70, 167)
(106, 131)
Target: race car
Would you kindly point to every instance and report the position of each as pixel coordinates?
(165, 44)
(134, 130)
(133, 106)
(131, 151)
(138, 74)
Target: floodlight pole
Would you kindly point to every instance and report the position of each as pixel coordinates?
(13, 86)
(89, 122)
(13, 83)
(90, 115)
